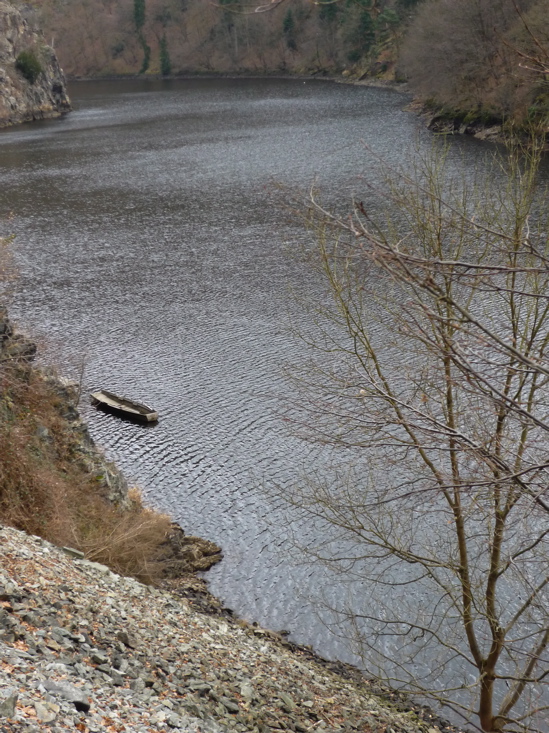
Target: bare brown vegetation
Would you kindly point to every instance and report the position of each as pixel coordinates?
(45, 490)
(129, 541)
(101, 38)
(475, 59)
(480, 56)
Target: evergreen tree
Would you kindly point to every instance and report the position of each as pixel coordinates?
(288, 28)
(146, 55)
(139, 13)
(165, 61)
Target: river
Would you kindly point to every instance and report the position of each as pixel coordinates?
(151, 253)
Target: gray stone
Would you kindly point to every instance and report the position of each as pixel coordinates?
(193, 708)
(8, 701)
(137, 685)
(247, 691)
(46, 712)
(95, 566)
(230, 705)
(289, 704)
(202, 688)
(117, 678)
(126, 639)
(174, 721)
(99, 657)
(70, 693)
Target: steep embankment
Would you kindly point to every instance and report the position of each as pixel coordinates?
(471, 62)
(32, 85)
(475, 63)
(83, 649)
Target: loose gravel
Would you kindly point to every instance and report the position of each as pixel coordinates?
(83, 649)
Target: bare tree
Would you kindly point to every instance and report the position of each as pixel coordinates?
(534, 28)
(432, 374)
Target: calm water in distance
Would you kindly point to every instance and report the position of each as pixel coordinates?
(149, 248)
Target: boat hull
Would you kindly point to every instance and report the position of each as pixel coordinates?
(123, 407)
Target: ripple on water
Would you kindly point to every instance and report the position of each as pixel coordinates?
(150, 247)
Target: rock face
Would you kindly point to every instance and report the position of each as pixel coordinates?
(32, 85)
(14, 347)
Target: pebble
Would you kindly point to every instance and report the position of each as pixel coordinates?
(85, 650)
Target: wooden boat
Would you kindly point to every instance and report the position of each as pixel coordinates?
(123, 406)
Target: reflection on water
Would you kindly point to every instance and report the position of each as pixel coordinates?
(149, 247)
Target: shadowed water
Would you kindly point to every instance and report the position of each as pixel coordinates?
(149, 247)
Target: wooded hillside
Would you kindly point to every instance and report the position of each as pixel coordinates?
(472, 58)
(105, 37)
(480, 57)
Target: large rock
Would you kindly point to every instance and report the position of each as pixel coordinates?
(14, 348)
(22, 100)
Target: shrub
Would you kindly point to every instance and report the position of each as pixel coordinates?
(117, 49)
(29, 65)
(129, 541)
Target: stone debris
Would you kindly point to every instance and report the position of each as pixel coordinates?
(83, 649)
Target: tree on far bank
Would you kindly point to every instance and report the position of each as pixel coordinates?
(165, 62)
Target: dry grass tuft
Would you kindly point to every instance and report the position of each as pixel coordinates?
(46, 492)
(130, 541)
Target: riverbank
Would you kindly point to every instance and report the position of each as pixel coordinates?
(56, 483)
(84, 649)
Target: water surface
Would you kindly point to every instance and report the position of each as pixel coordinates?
(151, 251)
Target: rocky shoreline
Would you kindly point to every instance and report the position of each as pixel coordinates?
(445, 123)
(83, 649)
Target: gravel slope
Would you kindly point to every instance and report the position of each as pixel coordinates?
(83, 649)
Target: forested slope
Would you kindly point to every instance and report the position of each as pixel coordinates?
(474, 59)
(105, 37)
(480, 58)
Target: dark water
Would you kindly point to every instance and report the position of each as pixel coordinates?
(149, 249)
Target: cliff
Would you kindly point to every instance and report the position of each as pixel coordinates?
(32, 85)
